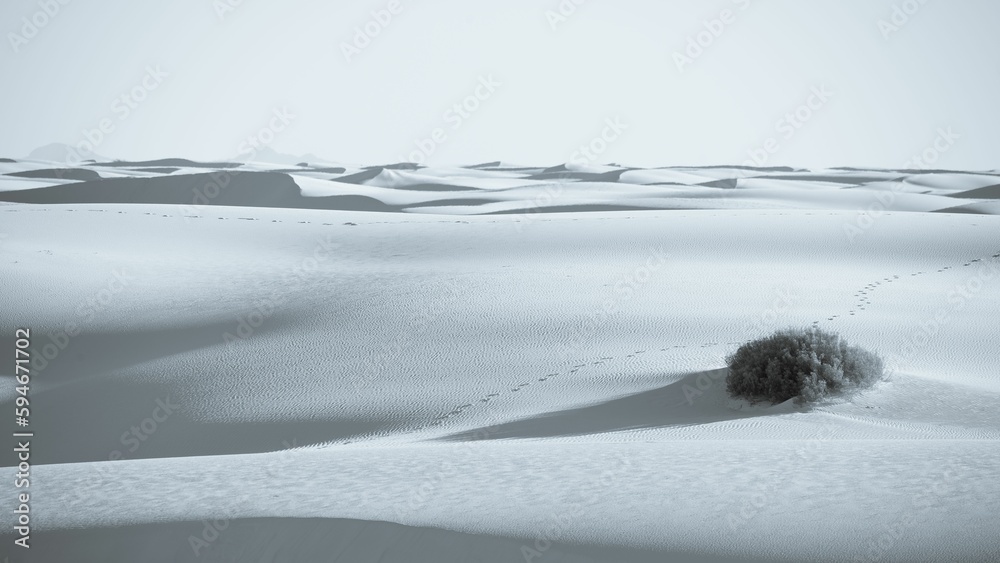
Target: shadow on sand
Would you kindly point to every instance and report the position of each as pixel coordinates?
(696, 398)
(84, 409)
(317, 539)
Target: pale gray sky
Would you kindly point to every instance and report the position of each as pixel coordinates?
(554, 83)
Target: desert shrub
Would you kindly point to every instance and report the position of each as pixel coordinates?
(805, 364)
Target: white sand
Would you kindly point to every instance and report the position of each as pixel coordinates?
(555, 377)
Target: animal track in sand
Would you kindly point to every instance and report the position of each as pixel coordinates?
(863, 301)
(862, 295)
(437, 421)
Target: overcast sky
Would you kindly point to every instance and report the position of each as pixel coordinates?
(533, 80)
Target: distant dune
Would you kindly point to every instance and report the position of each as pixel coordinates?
(243, 189)
(181, 162)
(495, 188)
(81, 174)
(987, 192)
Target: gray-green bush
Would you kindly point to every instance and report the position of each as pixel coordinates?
(805, 364)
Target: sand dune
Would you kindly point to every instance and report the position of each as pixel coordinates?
(81, 174)
(174, 162)
(661, 407)
(985, 192)
(491, 189)
(411, 384)
(243, 189)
